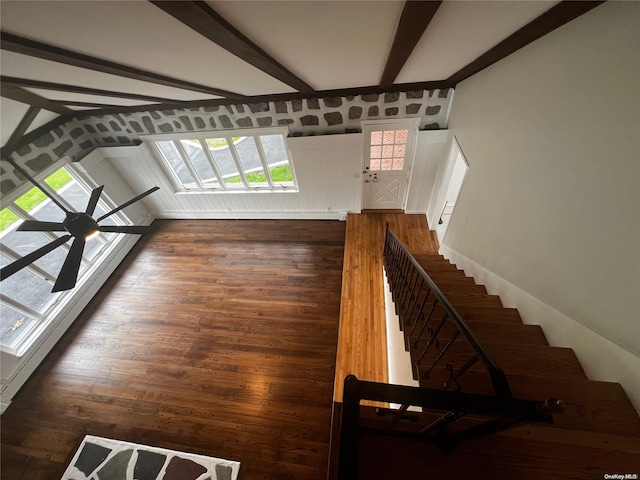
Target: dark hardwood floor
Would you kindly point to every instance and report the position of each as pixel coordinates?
(212, 337)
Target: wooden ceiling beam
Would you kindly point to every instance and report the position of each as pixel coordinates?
(553, 18)
(199, 16)
(414, 20)
(61, 87)
(25, 46)
(21, 95)
(22, 127)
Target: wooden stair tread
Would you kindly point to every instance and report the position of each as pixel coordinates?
(534, 360)
(501, 332)
(489, 314)
(589, 405)
(492, 456)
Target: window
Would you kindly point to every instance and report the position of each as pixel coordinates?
(387, 150)
(233, 161)
(25, 297)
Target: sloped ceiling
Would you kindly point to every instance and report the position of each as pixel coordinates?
(168, 52)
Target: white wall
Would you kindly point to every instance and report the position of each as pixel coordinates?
(551, 200)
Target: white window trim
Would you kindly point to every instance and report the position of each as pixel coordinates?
(223, 187)
(56, 303)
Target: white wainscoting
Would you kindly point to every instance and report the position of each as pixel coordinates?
(328, 169)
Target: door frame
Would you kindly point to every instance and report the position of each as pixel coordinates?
(410, 124)
(445, 176)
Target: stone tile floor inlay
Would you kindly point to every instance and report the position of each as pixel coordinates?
(100, 458)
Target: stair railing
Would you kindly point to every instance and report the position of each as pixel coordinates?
(496, 413)
(421, 304)
(447, 416)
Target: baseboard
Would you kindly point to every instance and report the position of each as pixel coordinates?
(601, 359)
(253, 215)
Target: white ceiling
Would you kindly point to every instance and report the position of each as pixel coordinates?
(328, 44)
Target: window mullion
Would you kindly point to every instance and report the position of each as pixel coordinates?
(187, 162)
(32, 267)
(212, 162)
(20, 308)
(263, 160)
(236, 159)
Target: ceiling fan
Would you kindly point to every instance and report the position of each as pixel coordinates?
(81, 226)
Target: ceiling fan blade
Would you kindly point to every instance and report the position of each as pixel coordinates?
(32, 257)
(69, 273)
(38, 226)
(93, 201)
(34, 182)
(126, 204)
(136, 229)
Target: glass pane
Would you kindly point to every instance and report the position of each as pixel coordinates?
(376, 151)
(173, 159)
(387, 151)
(199, 160)
(275, 150)
(386, 164)
(281, 174)
(7, 218)
(398, 163)
(58, 179)
(24, 243)
(376, 138)
(224, 160)
(388, 136)
(30, 200)
(374, 165)
(49, 212)
(398, 150)
(401, 136)
(27, 288)
(250, 161)
(13, 325)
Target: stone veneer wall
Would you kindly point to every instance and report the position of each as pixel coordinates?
(313, 116)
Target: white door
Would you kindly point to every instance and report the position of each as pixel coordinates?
(388, 151)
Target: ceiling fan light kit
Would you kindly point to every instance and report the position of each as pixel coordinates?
(81, 226)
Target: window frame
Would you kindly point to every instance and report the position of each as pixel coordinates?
(57, 301)
(409, 124)
(221, 186)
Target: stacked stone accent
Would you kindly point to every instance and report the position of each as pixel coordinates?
(313, 116)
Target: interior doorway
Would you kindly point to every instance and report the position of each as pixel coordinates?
(455, 171)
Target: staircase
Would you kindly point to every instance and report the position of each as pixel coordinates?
(597, 433)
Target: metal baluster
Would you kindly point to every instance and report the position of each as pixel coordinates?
(410, 299)
(426, 323)
(441, 354)
(441, 422)
(417, 303)
(453, 377)
(432, 340)
(420, 314)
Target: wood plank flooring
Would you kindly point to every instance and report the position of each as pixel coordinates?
(213, 337)
(362, 343)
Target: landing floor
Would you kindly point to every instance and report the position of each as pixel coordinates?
(362, 342)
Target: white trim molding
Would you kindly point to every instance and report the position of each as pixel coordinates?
(601, 359)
